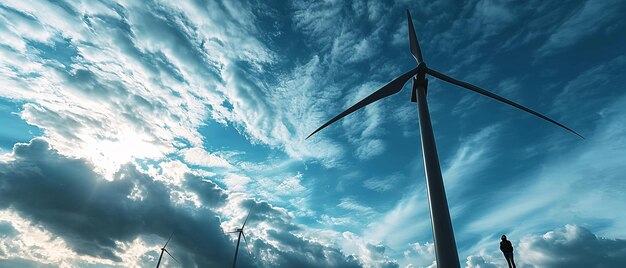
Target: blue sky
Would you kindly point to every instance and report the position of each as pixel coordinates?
(122, 122)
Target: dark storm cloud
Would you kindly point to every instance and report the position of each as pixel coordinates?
(377, 252)
(296, 251)
(66, 197)
(281, 242)
(209, 193)
(70, 200)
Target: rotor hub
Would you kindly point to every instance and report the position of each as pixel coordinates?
(421, 67)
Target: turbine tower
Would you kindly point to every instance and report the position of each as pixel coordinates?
(443, 235)
(165, 250)
(240, 231)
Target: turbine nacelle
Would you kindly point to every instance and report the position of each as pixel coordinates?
(421, 68)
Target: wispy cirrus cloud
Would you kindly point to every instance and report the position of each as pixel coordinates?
(591, 90)
(591, 17)
(382, 184)
(350, 204)
(592, 177)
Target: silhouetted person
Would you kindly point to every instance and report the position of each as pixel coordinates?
(507, 249)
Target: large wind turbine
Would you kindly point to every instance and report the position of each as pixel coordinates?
(165, 250)
(443, 235)
(240, 231)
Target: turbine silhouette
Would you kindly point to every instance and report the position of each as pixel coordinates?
(165, 250)
(240, 231)
(443, 235)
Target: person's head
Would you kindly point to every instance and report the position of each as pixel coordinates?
(503, 237)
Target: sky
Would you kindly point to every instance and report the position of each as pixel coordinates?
(124, 122)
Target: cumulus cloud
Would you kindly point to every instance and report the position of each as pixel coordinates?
(572, 246)
(420, 255)
(479, 262)
(371, 253)
(92, 215)
(277, 241)
(102, 219)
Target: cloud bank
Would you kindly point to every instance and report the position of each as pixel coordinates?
(102, 219)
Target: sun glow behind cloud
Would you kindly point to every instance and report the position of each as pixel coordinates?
(108, 155)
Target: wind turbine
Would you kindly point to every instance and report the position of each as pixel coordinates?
(240, 231)
(165, 250)
(443, 235)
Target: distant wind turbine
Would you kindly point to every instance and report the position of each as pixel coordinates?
(240, 231)
(165, 250)
(443, 235)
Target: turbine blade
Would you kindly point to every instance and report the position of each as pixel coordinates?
(246, 220)
(168, 240)
(244, 237)
(389, 89)
(168, 253)
(246, 240)
(496, 97)
(415, 46)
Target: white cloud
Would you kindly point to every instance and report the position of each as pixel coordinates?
(479, 262)
(291, 185)
(353, 205)
(410, 214)
(573, 246)
(382, 185)
(236, 182)
(472, 155)
(371, 253)
(129, 83)
(370, 148)
(328, 220)
(365, 128)
(276, 240)
(420, 255)
(31, 241)
(111, 220)
(199, 156)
